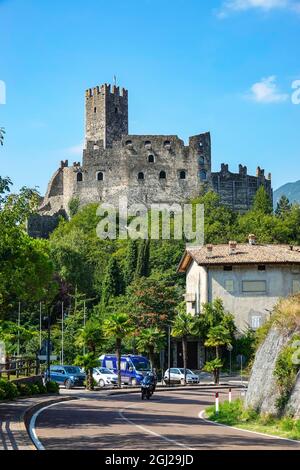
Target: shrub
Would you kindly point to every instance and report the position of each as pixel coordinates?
(52, 387)
(266, 419)
(41, 387)
(34, 389)
(287, 424)
(24, 389)
(10, 389)
(2, 394)
(249, 414)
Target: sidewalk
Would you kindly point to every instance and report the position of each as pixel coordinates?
(13, 433)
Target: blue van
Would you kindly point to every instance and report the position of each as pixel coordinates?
(133, 368)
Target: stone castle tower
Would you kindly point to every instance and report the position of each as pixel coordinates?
(146, 169)
(106, 114)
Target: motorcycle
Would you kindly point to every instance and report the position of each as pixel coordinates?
(147, 391)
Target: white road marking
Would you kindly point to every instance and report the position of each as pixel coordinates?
(32, 431)
(201, 416)
(153, 433)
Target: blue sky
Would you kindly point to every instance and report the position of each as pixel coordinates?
(190, 66)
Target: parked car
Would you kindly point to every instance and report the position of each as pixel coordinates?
(69, 376)
(104, 377)
(133, 368)
(176, 376)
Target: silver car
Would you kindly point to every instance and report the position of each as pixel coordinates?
(176, 376)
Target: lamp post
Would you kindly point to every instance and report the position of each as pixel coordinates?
(169, 353)
(230, 348)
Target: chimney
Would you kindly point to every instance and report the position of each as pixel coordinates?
(209, 251)
(252, 239)
(232, 247)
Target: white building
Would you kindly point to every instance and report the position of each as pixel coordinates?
(249, 278)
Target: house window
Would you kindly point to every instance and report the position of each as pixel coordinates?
(162, 175)
(296, 286)
(254, 286)
(148, 144)
(95, 110)
(79, 177)
(167, 144)
(203, 175)
(141, 176)
(229, 285)
(262, 267)
(128, 143)
(255, 322)
(201, 160)
(116, 110)
(182, 175)
(151, 159)
(100, 176)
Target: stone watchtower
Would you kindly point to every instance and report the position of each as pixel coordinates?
(106, 117)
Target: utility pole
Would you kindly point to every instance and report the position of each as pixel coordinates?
(40, 325)
(169, 353)
(19, 324)
(62, 333)
(84, 320)
(48, 346)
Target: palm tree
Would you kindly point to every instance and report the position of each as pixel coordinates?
(118, 326)
(150, 340)
(217, 337)
(90, 337)
(183, 327)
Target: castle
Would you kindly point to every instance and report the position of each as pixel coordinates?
(146, 169)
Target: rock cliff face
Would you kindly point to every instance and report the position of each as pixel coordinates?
(262, 390)
(293, 406)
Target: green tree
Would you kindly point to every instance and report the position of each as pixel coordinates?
(143, 259)
(91, 337)
(113, 281)
(118, 326)
(73, 206)
(217, 337)
(131, 261)
(262, 202)
(183, 328)
(283, 207)
(151, 341)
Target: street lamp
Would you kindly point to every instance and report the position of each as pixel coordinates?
(230, 348)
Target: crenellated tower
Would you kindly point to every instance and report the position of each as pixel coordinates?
(106, 114)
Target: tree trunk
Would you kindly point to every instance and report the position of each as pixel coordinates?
(90, 379)
(151, 356)
(217, 371)
(118, 354)
(185, 356)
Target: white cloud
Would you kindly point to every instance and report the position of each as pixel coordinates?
(266, 91)
(230, 6)
(75, 150)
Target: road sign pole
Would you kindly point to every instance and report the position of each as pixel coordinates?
(48, 348)
(217, 403)
(169, 353)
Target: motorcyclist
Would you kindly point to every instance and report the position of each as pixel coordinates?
(149, 382)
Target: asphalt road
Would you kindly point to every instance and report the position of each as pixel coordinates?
(169, 421)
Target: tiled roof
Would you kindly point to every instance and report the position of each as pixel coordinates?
(243, 254)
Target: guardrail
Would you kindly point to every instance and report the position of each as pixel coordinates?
(16, 367)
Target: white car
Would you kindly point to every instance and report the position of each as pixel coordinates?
(177, 376)
(104, 377)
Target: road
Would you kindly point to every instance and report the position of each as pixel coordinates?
(169, 421)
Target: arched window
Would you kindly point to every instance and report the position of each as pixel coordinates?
(116, 110)
(201, 160)
(203, 175)
(128, 143)
(167, 144)
(148, 144)
(141, 176)
(79, 177)
(151, 158)
(162, 175)
(100, 176)
(95, 110)
(182, 175)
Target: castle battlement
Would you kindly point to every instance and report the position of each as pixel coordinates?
(106, 89)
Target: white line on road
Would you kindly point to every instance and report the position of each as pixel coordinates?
(32, 431)
(153, 433)
(201, 416)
